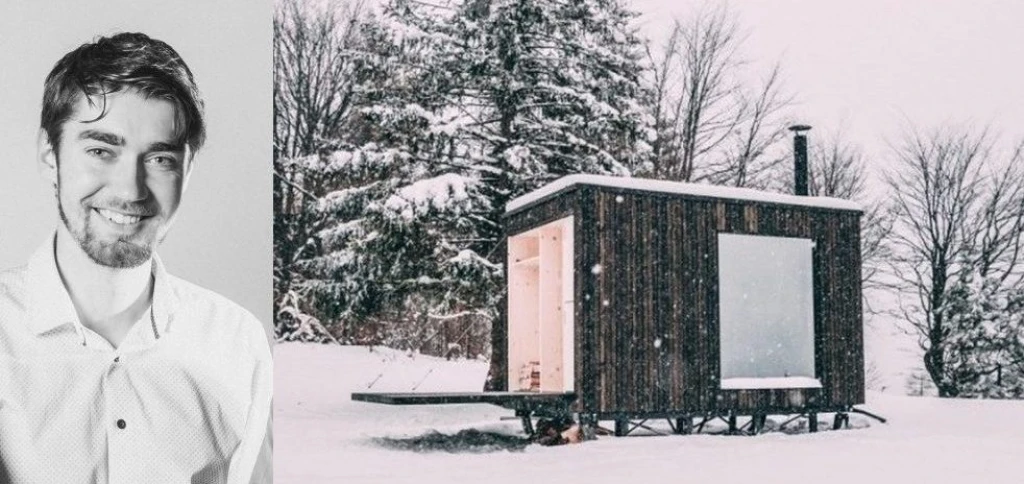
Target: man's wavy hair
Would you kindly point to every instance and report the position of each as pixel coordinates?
(126, 61)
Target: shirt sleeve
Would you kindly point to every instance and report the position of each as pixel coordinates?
(257, 427)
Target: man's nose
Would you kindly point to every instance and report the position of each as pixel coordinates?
(127, 179)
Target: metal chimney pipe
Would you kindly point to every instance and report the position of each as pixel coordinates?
(800, 158)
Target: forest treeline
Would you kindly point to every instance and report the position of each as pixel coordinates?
(401, 131)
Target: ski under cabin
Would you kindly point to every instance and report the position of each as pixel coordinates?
(631, 299)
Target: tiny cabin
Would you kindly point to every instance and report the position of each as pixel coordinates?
(657, 299)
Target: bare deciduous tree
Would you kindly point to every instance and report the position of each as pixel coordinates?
(838, 169)
(314, 74)
(748, 160)
(876, 226)
(959, 209)
(694, 90)
(709, 125)
(314, 79)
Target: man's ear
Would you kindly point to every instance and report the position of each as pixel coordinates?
(46, 155)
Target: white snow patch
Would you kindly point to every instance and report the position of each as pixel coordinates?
(470, 257)
(765, 383)
(516, 156)
(440, 192)
(680, 188)
(321, 436)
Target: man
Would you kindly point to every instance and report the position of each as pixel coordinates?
(111, 370)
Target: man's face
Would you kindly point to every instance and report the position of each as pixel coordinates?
(120, 178)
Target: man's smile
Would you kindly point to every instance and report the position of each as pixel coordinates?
(120, 218)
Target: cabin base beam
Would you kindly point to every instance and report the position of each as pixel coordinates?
(757, 422)
(682, 425)
(735, 423)
(527, 420)
(867, 413)
(621, 427)
(840, 420)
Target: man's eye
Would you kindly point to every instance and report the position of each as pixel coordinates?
(98, 152)
(163, 161)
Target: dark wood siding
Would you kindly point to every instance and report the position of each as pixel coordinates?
(647, 322)
(544, 211)
(589, 362)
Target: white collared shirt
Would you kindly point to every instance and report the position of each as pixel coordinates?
(184, 398)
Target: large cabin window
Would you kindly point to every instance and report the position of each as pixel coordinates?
(766, 308)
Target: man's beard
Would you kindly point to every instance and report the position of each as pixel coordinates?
(121, 254)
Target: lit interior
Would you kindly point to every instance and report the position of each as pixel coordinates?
(540, 308)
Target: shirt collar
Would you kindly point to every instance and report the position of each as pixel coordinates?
(49, 301)
(165, 299)
(51, 304)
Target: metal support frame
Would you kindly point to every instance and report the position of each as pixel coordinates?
(841, 420)
(641, 425)
(683, 424)
(754, 426)
(867, 413)
(758, 421)
(588, 424)
(621, 427)
(625, 426)
(527, 419)
(526, 410)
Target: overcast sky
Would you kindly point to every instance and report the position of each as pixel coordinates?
(870, 66)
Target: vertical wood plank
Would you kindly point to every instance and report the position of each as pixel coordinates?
(588, 242)
(550, 316)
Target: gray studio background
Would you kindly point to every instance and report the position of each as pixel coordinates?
(222, 237)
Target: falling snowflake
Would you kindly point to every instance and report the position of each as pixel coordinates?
(618, 199)
(596, 269)
(657, 342)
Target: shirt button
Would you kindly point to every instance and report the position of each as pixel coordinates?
(121, 423)
(117, 359)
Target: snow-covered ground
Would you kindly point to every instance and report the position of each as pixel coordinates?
(321, 436)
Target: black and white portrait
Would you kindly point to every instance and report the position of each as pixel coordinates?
(134, 243)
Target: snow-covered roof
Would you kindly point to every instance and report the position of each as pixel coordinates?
(679, 188)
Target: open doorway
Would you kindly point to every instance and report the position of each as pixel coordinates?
(540, 308)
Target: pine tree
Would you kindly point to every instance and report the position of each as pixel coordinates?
(984, 340)
(317, 72)
(392, 249)
(459, 109)
(549, 87)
